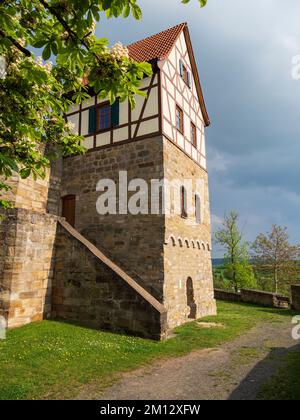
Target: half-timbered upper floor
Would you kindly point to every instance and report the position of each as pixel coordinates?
(174, 105)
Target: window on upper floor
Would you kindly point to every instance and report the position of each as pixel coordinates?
(193, 135)
(179, 119)
(104, 116)
(185, 74)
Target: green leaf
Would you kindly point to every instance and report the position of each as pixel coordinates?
(25, 172)
(54, 48)
(46, 52)
(126, 11)
(136, 12)
(39, 44)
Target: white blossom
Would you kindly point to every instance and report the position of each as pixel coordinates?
(3, 67)
(48, 66)
(70, 125)
(119, 51)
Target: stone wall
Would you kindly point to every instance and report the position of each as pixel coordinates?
(87, 291)
(134, 242)
(140, 244)
(265, 298)
(27, 241)
(28, 193)
(296, 297)
(54, 193)
(256, 297)
(226, 295)
(187, 247)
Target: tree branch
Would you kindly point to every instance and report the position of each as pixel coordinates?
(64, 24)
(16, 44)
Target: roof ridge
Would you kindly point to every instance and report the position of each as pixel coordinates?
(183, 25)
(157, 46)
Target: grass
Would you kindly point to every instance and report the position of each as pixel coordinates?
(52, 359)
(285, 384)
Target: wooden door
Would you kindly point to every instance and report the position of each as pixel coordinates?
(68, 208)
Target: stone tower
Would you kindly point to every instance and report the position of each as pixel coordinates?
(161, 138)
(146, 271)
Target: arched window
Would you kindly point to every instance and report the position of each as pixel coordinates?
(183, 198)
(198, 208)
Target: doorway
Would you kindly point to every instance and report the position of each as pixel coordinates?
(68, 208)
(191, 298)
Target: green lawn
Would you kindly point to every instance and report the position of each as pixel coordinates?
(285, 385)
(52, 359)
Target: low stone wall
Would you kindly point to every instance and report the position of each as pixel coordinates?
(264, 298)
(86, 290)
(296, 297)
(226, 295)
(27, 242)
(256, 297)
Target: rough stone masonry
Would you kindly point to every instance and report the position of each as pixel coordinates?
(45, 272)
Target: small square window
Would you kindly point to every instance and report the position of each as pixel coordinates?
(185, 74)
(193, 135)
(179, 119)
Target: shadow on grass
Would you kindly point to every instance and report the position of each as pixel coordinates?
(281, 312)
(274, 378)
(266, 309)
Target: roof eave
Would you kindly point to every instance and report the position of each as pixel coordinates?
(206, 118)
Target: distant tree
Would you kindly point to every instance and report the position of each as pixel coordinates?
(275, 256)
(238, 269)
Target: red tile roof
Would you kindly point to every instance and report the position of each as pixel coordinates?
(156, 46)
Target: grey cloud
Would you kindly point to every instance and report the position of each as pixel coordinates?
(244, 52)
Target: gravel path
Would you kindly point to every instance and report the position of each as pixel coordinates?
(235, 370)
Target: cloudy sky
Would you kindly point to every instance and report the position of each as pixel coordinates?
(244, 52)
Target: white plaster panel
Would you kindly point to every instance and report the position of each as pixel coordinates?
(187, 126)
(89, 142)
(85, 122)
(203, 162)
(194, 153)
(152, 104)
(168, 129)
(135, 113)
(188, 147)
(203, 148)
(124, 112)
(103, 139)
(148, 127)
(180, 139)
(120, 134)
